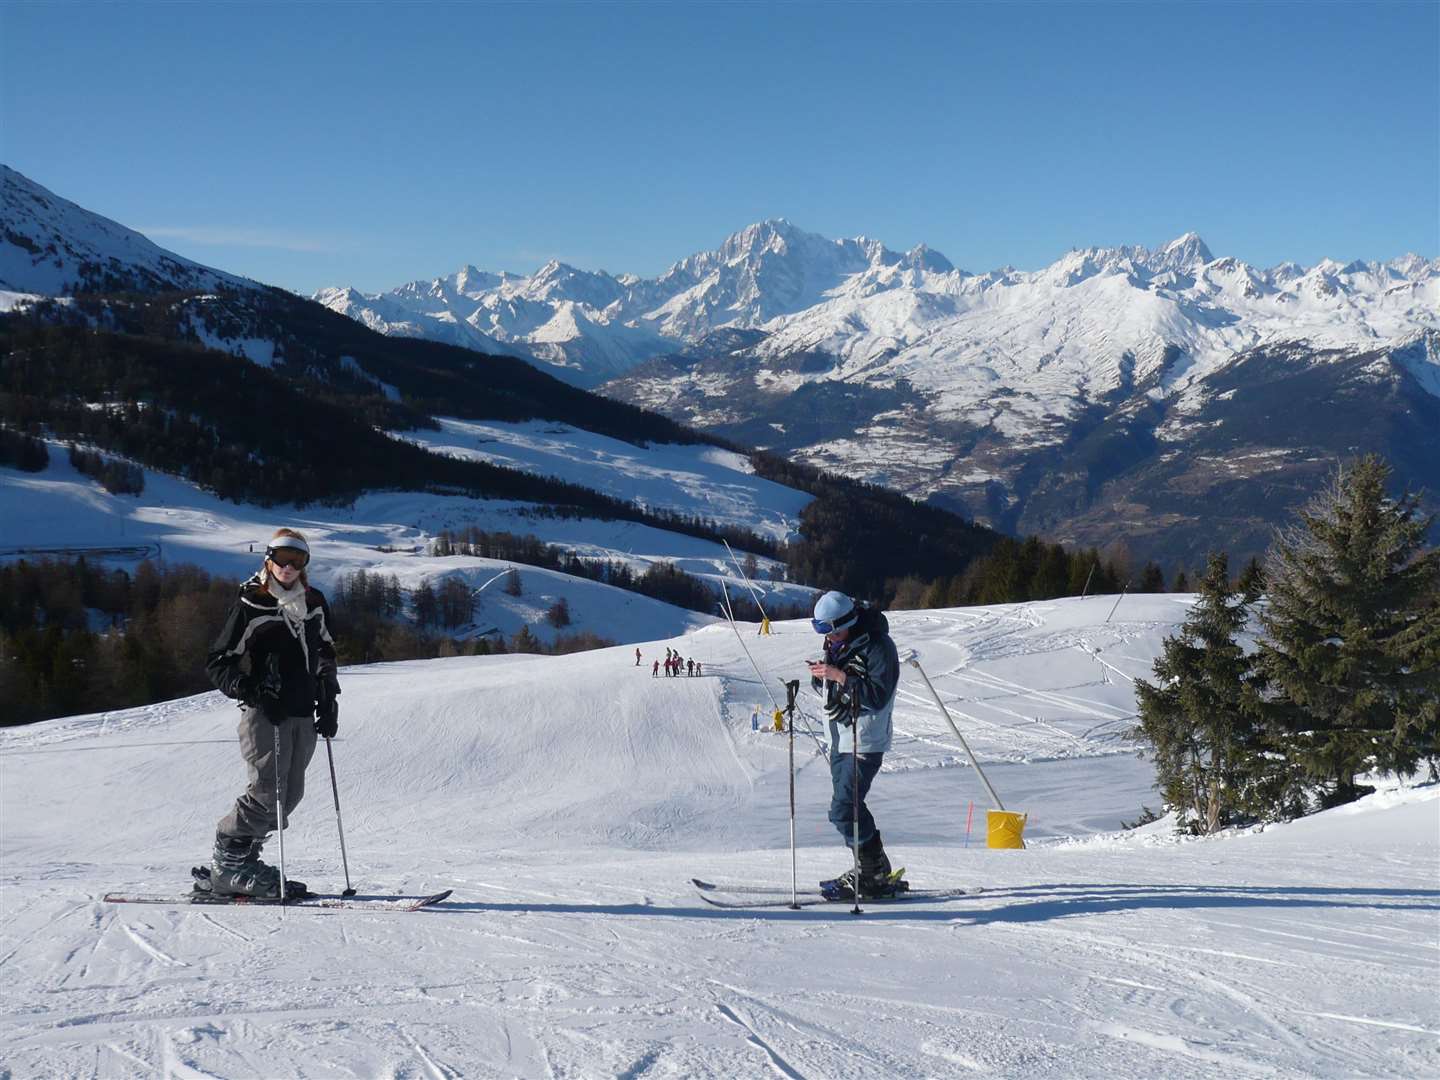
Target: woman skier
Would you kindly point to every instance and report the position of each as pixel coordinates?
(276, 657)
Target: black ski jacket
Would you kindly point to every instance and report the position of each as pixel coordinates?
(254, 631)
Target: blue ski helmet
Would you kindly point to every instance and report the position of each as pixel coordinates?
(834, 611)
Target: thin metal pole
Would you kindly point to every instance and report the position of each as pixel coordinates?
(280, 811)
(946, 713)
(753, 593)
(791, 688)
(855, 797)
(730, 614)
(1118, 599)
(756, 667)
(339, 824)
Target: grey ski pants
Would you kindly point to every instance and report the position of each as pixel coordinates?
(254, 812)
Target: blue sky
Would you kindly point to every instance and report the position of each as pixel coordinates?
(371, 144)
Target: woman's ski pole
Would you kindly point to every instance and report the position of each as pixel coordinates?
(340, 825)
(280, 811)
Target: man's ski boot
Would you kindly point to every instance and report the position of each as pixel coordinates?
(237, 870)
(877, 880)
(886, 888)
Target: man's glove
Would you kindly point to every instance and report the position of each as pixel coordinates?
(327, 709)
(268, 692)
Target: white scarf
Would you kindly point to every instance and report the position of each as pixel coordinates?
(292, 606)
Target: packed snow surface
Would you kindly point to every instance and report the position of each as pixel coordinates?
(569, 800)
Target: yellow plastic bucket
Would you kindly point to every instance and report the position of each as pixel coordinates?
(1004, 829)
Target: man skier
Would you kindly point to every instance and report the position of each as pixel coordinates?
(857, 679)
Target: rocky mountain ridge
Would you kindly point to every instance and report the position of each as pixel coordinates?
(1164, 398)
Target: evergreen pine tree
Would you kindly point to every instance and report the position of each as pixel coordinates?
(427, 604)
(1152, 579)
(1200, 720)
(524, 641)
(1252, 580)
(1352, 634)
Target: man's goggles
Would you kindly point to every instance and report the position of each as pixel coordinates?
(830, 626)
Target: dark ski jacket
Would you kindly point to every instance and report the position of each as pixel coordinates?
(254, 631)
(872, 673)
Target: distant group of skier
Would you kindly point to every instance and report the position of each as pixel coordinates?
(276, 657)
(674, 665)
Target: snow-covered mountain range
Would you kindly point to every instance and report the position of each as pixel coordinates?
(877, 313)
(1031, 400)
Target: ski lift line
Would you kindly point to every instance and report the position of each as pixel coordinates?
(915, 660)
(730, 614)
(745, 579)
(775, 706)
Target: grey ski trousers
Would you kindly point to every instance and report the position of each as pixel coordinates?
(254, 812)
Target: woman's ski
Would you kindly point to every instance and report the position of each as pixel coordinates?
(323, 901)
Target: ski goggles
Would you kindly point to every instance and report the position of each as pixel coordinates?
(830, 626)
(290, 555)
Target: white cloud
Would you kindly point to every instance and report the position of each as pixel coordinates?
(241, 236)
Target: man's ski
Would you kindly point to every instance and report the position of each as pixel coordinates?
(313, 900)
(764, 896)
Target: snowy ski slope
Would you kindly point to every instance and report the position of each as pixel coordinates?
(63, 512)
(568, 800)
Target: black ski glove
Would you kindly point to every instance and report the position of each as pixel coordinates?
(269, 692)
(327, 719)
(327, 709)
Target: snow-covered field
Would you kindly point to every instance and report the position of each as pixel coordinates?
(59, 510)
(716, 484)
(568, 800)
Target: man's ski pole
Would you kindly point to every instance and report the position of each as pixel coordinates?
(791, 688)
(280, 812)
(339, 824)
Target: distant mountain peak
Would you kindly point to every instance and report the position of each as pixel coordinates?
(1185, 252)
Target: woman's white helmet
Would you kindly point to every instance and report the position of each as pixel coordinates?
(834, 611)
